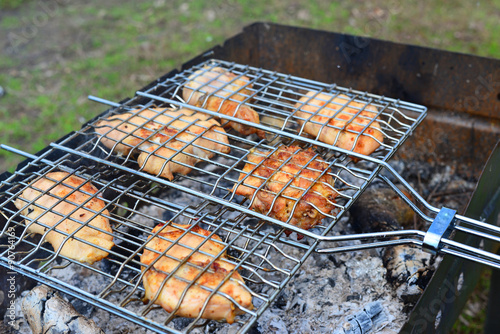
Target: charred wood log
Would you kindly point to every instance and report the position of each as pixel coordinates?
(371, 317)
(380, 209)
(48, 313)
(409, 269)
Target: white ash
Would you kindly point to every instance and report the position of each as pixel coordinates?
(330, 288)
(327, 292)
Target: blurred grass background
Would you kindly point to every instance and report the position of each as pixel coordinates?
(54, 53)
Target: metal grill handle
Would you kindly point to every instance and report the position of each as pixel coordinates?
(439, 229)
(438, 237)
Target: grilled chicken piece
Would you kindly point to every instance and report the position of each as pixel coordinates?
(51, 198)
(340, 123)
(128, 130)
(164, 137)
(219, 90)
(134, 128)
(173, 296)
(288, 202)
(160, 155)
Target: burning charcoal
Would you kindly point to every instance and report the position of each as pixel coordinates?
(181, 323)
(281, 301)
(411, 291)
(408, 270)
(355, 296)
(374, 309)
(47, 312)
(360, 323)
(82, 307)
(167, 215)
(331, 281)
(380, 209)
(370, 318)
(404, 262)
(271, 323)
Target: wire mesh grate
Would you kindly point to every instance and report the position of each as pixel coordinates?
(158, 164)
(132, 136)
(134, 208)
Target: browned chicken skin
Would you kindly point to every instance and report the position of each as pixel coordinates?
(51, 198)
(214, 88)
(274, 172)
(173, 296)
(165, 139)
(343, 129)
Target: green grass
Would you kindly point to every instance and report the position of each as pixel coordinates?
(110, 49)
(11, 4)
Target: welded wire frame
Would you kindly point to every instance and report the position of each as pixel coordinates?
(280, 99)
(217, 168)
(256, 250)
(218, 178)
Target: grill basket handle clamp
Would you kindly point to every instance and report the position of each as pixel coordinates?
(440, 228)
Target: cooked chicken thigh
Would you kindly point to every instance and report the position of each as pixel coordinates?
(219, 90)
(165, 139)
(173, 296)
(340, 123)
(51, 198)
(176, 148)
(131, 129)
(288, 202)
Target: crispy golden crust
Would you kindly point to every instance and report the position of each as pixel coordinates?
(34, 207)
(274, 171)
(211, 88)
(342, 129)
(171, 295)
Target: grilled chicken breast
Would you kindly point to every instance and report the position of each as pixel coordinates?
(168, 141)
(125, 132)
(281, 180)
(336, 121)
(183, 293)
(48, 200)
(178, 147)
(219, 90)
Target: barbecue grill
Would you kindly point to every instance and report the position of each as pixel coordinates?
(254, 241)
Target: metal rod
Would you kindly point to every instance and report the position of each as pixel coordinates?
(103, 101)
(377, 244)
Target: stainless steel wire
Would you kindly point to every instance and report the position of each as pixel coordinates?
(106, 155)
(255, 246)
